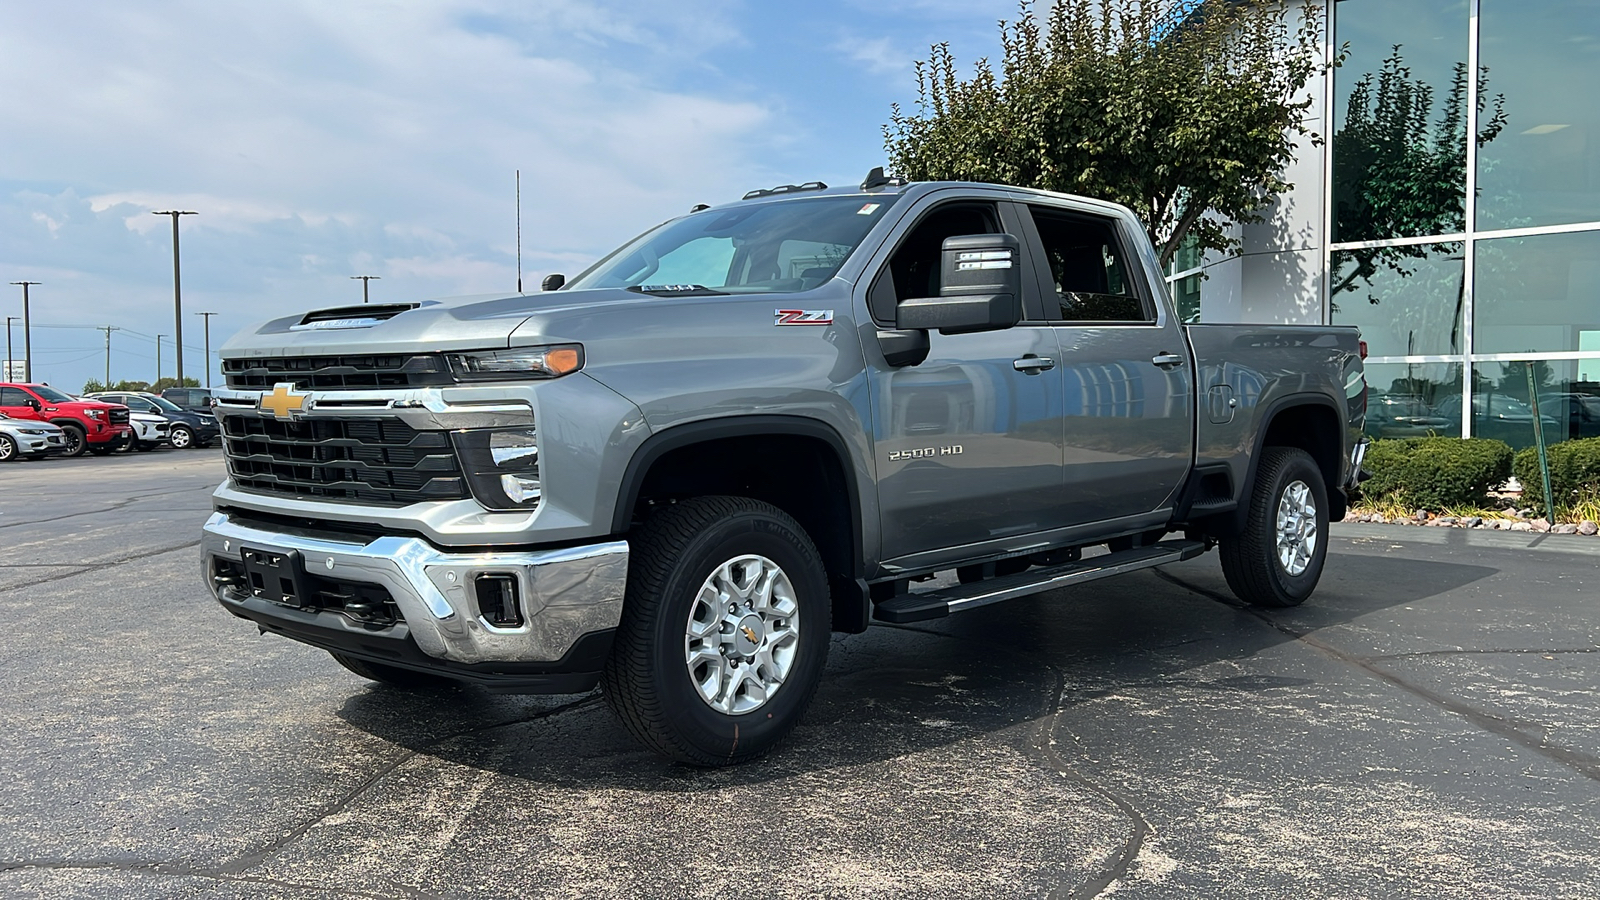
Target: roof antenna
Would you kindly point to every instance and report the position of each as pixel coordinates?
(876, 179)
(519, 231)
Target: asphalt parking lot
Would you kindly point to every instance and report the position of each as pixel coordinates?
(1427, 726)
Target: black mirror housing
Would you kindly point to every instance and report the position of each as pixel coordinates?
(980, 288)
(553, 282)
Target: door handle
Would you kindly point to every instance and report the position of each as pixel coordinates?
(1033, 365)
(1167, 360)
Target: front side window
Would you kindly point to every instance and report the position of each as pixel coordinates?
(777, 246)
(51, 395)
(13, 397)
(1090, 273)
(913, 270)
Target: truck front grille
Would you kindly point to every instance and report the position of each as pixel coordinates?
(338, 372)
(379, 461)
(119, 416)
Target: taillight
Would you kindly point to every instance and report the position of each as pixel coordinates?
(1363, 349)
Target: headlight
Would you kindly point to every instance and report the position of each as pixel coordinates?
(501, 465)
(95, 413)
(515, 365)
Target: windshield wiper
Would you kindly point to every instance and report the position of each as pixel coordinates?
(676, 290)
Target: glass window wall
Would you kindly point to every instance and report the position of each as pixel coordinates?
(1399, 143)
(1569, 400)
(1413, 400)
(1541, 65)
(1537, 294)
(1407, 300)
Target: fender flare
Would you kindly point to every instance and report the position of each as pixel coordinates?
(1272, 411)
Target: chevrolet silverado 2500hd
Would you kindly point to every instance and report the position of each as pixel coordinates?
(752, 426)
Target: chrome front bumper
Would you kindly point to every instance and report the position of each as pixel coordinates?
(566, 593)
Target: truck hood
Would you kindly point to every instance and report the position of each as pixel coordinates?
(461, 323)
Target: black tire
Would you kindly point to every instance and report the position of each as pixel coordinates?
(77, 444)
(105, 449)
(181, 438)
(393, 676)
(8, 449)
(1250, 560)
(144, 446)
(647, 680)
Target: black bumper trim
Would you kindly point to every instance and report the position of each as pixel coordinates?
(578, 671)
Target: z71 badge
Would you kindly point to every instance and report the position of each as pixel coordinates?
(802, 317)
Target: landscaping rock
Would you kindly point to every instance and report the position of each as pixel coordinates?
(1588, 527)
(1564, 529)
(1540, 525)
(1421, 515)
(1445, 520)
(1473, 521)
(1521, 526)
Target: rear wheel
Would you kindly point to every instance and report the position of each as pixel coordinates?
(181, 437)
(75, 441)
(8, 448)
(1277, 559)
(393, 676)
(724, 631)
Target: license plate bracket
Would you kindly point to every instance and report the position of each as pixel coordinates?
(276, 575)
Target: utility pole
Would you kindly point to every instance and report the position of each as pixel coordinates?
(364, 279)
(10, 359)
(27, 334)
(207, 316)
(158, 360)
(519, 231)
(108, 329)
(177, 288)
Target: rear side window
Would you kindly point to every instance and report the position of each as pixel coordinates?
(179, 397)
(13, 397)
(1092, 279)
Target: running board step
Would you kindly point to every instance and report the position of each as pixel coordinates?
(937, 604)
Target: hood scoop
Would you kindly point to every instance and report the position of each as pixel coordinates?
(364, 316)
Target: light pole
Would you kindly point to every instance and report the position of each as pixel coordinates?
(177, 288)
(364, 279)
(158, 360)
(27, 335)
(10, 360)
(207, 316)
(108, 329)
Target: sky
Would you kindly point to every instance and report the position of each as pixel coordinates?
(319, 140)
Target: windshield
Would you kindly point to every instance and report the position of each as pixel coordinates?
(51, 395)
(789, 245)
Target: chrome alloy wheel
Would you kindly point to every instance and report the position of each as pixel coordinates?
(1297, 527)
(742, 635)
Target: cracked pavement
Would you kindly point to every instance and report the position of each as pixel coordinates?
(1426, 726)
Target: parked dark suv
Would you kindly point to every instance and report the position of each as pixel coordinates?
(193, 399)
(189, 427)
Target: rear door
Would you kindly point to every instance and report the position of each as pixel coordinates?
(968, 442)
(1127, 378)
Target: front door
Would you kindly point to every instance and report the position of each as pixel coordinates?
(18, 404)
(968, 442)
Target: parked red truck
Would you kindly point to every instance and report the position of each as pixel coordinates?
(88, 424)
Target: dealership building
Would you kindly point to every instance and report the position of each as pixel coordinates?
(1466, 263)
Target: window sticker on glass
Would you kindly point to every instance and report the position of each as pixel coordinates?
(868, 209)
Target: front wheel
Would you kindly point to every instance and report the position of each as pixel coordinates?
(72, 436)
(8, 448)
(724, 631)
(181, 438)
(1277, 559)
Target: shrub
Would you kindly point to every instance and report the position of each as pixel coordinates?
(1436, 472)
(1574, 472)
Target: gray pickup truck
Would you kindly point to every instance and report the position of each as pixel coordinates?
(755, 425)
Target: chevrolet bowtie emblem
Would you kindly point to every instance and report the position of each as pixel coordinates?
(284, 403)
(750, 634)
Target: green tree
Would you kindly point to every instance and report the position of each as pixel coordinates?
(1397, 173)
(1186, 113)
